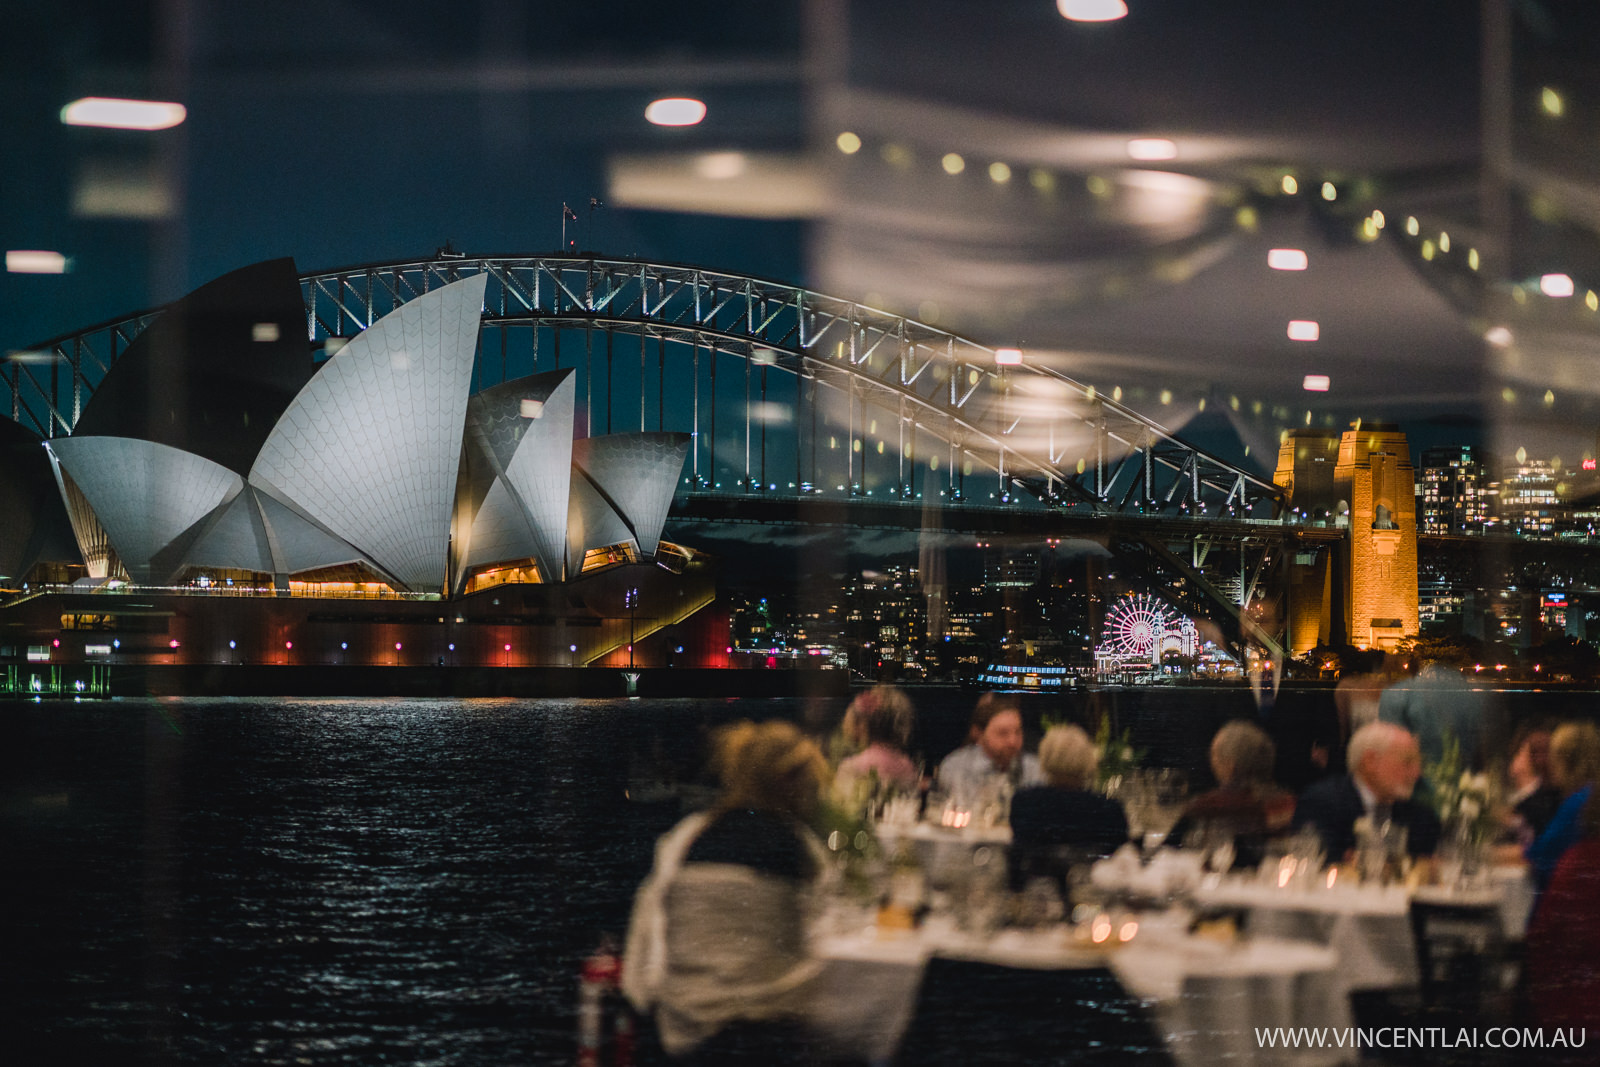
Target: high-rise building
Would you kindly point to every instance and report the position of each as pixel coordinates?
(1453, 491)
(1528, 502)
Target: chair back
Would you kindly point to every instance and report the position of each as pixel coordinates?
(1462, 957)
(970, 1013)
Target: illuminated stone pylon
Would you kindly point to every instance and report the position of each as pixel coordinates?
(1363, 482)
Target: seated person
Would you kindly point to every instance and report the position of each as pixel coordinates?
(1531, 799)
(1563, 947)
(994, 753)
(1246, 804)
(717, 943)
(882, 718)
(1574, 769)
(1384, 763)
(1065, 820)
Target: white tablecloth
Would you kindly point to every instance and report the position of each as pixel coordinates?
(1368, 926)
(1208, 998)
(946, 856)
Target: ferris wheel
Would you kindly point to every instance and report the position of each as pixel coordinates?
(1135, 625)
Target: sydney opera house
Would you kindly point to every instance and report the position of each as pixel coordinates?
(233, 496)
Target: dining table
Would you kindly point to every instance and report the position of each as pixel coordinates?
(1367, 925)
(1207, 997)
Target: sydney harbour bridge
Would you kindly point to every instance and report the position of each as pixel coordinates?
(812, 410)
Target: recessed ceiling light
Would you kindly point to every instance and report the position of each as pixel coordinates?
(675, 111)
(1008, 357)
(1316, 383)
(115, 114)
(1304, 330)
(1092, 10)
(1556, 285)
(1152, 148)
(24, 261)
(1287, 259)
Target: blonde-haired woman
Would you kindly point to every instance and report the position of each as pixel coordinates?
(716, 949)
(1574, 769)
(1065, 820)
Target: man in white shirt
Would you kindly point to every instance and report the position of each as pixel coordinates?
(995, 755)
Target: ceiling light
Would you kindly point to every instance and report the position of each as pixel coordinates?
(35, 262)
(1316, 383)
(1304, 330)
(675, 111)
(1092, 10)
(1556, 285)
(1287, 259)
(1008, 357)
(1152, 148)
(114, 114)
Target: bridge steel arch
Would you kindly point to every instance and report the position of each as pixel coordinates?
(1024, 436)
(1040, 435)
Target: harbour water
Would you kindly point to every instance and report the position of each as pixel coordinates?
(331, 881)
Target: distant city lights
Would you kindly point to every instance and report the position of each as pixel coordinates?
(675, 111)
(1287, 259)
(1557, 285)
(1304, 330)
(1152, 148)
(1316, 383)
(26, 261)
(1092, 10)
(115, 114)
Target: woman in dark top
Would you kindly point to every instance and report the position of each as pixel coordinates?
(1245, 805)
(1065, 821)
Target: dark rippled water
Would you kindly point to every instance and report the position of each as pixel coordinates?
(322, 882)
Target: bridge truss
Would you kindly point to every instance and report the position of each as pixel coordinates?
(938, 405)
(787, 393)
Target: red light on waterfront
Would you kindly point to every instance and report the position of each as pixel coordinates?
(508, 648)
(288, 644)
(56, 642)
(173, 643)
(1588, 464)
(397, 646)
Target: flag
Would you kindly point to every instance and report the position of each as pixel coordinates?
(568, 213)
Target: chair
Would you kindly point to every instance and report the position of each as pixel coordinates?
(1466, 970)
(981, 1013)
(1464, 964)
